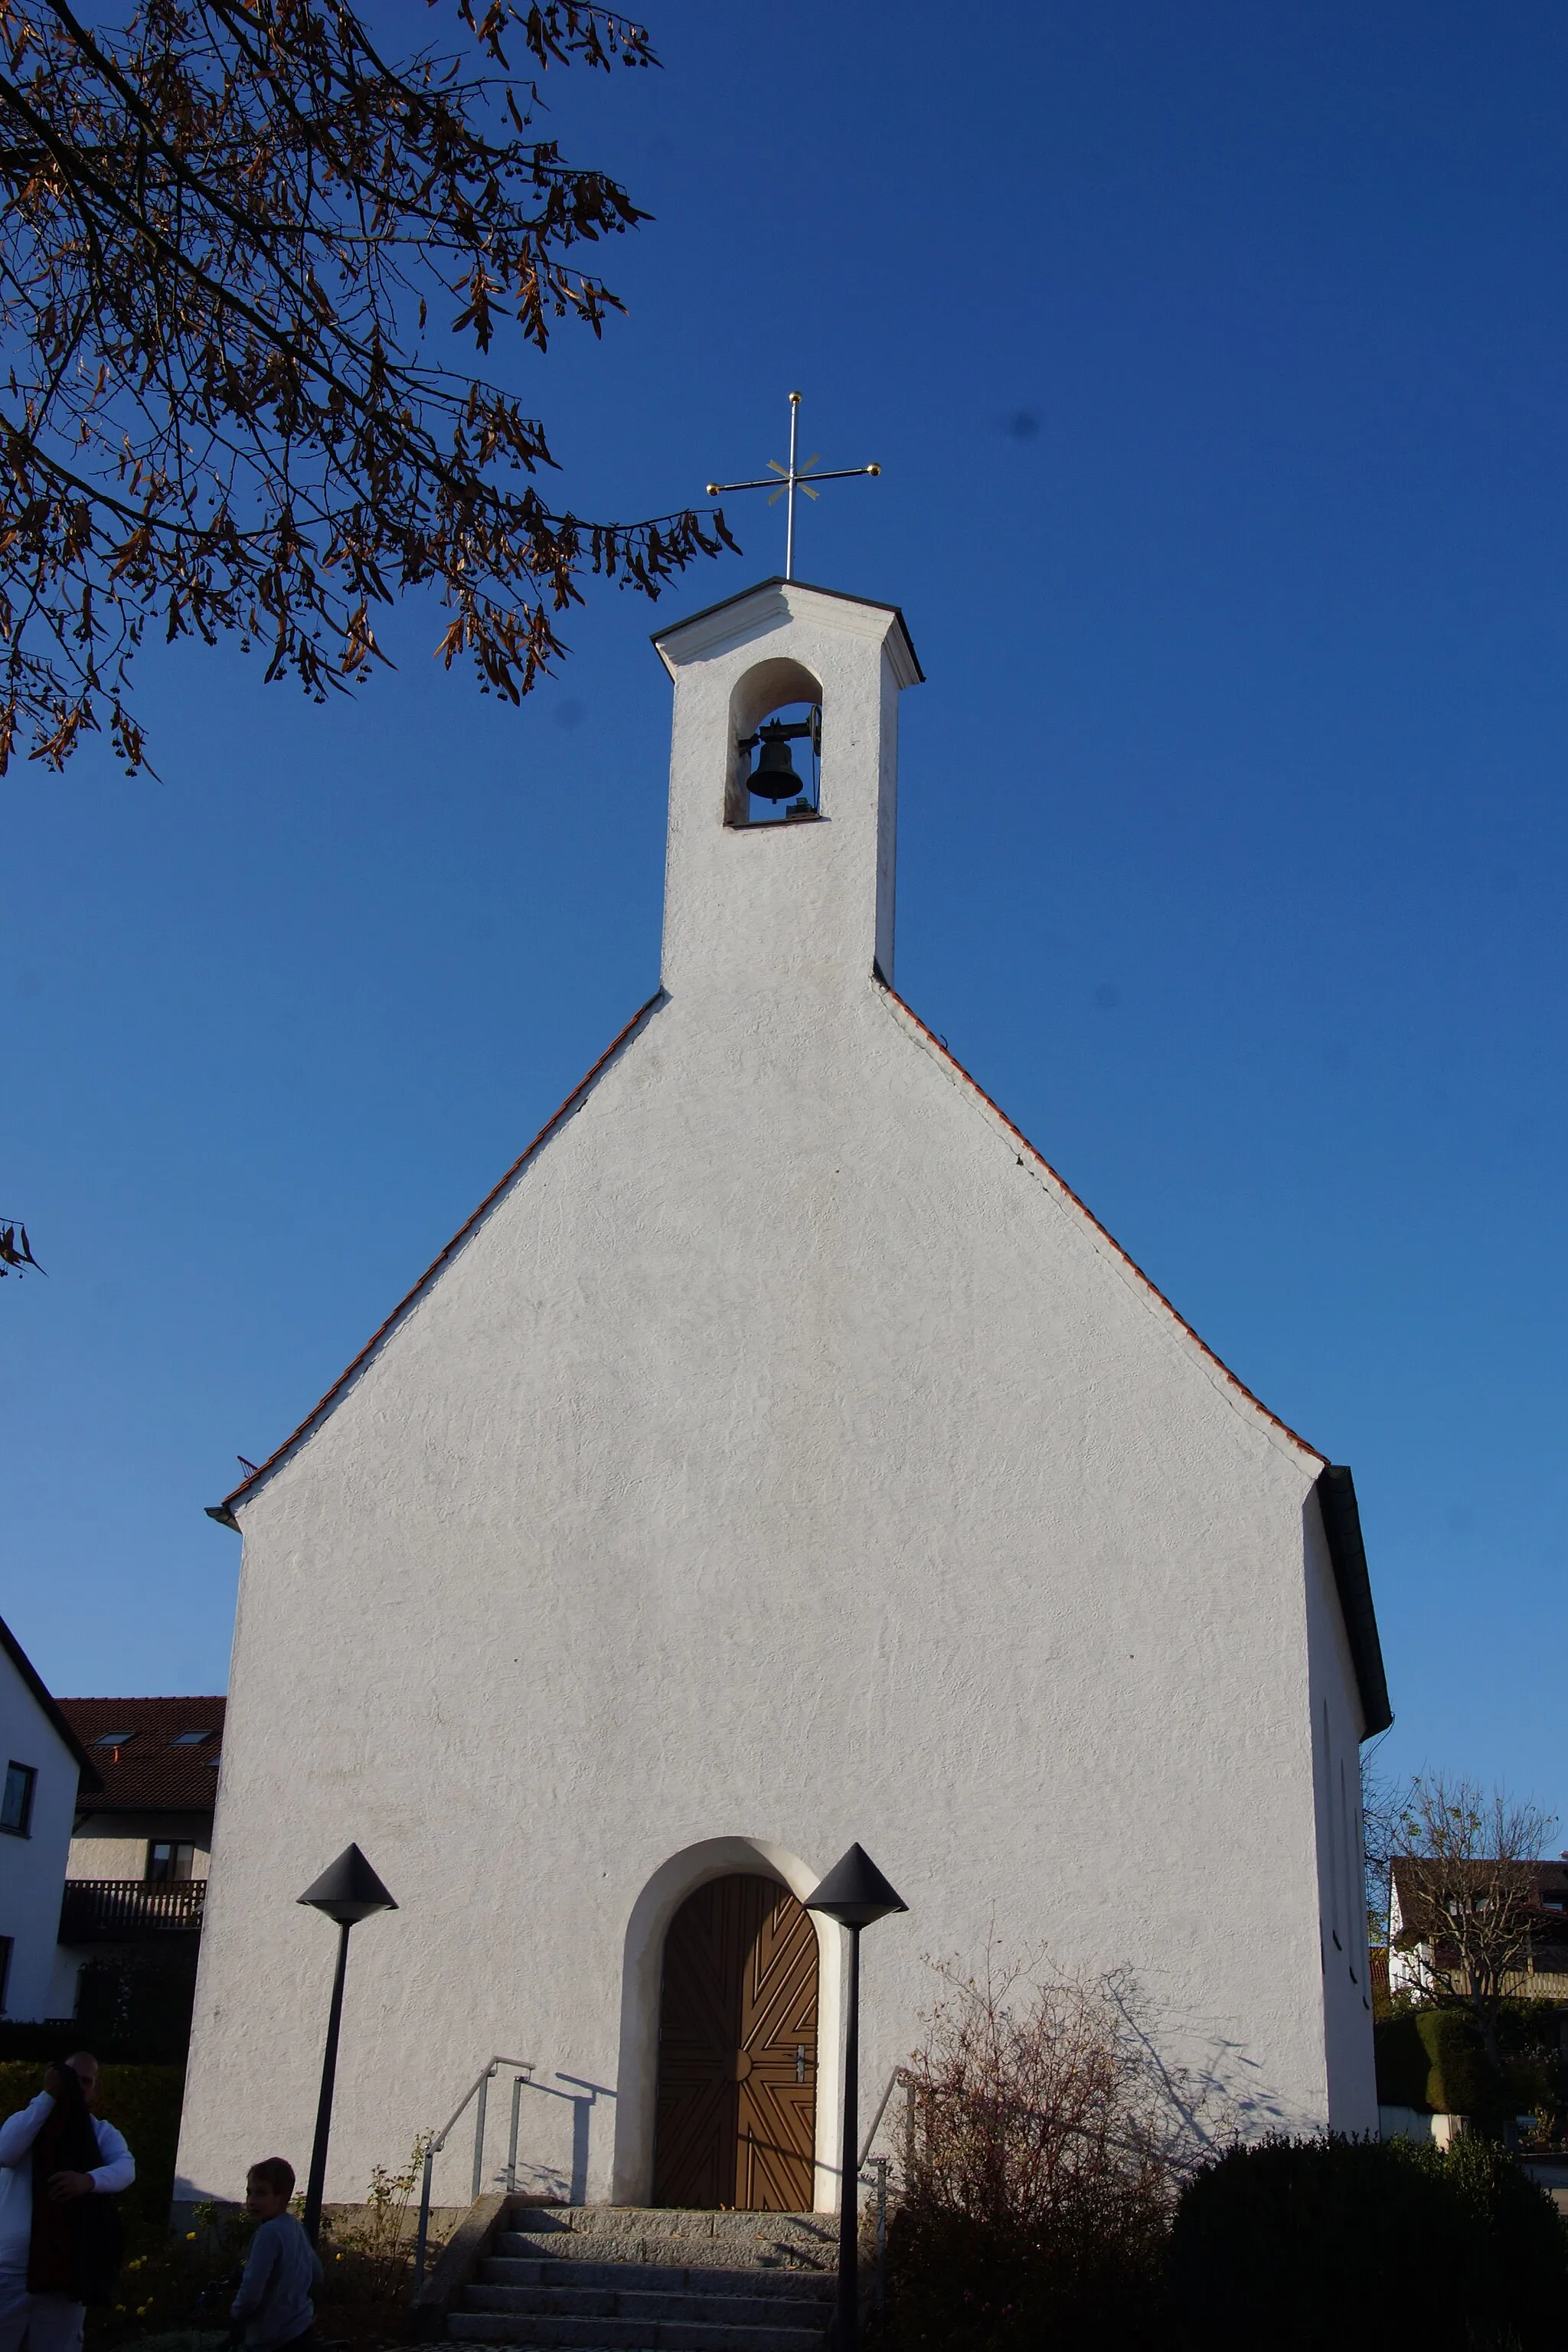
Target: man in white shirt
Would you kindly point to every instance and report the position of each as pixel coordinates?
(50, 2322)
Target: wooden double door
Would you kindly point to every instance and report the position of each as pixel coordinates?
(736, 2120)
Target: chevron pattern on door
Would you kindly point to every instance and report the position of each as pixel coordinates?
(736, 2121)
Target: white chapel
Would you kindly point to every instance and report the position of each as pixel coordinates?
(781, 1456)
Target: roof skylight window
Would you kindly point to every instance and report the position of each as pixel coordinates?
(189, 1738)
(113, 1738)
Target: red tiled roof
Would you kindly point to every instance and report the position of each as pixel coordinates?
(149, 1773)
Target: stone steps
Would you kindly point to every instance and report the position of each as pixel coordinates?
(662, 2278)
(598, 2334)
(612, 2279)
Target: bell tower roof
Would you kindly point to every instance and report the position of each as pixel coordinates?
(765, 606)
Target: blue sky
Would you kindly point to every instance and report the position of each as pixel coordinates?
(1216, 360)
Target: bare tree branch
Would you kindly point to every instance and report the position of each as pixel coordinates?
(239, 252)
(1466, 1902)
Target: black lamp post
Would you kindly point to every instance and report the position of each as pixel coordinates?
(347, 1890)
(854, 1893)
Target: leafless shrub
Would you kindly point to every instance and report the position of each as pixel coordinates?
(1032, 2089)
(1046, 2145)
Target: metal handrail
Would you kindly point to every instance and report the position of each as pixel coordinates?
(899, 2074)
(480, 2088)
(881, 2169)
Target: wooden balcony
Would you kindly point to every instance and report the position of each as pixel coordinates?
(125, 1910)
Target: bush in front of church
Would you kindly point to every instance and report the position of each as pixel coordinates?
(1306, 2243)
(1042, 2153)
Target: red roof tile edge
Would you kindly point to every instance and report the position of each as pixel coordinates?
(1088, 1213)
(238, 1493)
(222, 1510)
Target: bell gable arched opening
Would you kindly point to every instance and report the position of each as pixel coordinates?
(775, 712)
(735, 2118)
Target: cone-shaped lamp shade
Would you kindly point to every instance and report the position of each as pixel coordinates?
(348, 1890)
(855, 1892)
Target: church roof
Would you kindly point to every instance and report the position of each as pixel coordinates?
(1064, 1189)
(223, 1511)
(1335, 1488)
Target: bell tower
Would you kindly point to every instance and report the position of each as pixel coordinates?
(768, 888)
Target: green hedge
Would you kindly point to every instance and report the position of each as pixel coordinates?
(1432, 2058)
(1301, 2245)
(139, 2005)
(1089, 2278)
(143, 2102)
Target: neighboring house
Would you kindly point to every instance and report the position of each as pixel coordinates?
(780, 1455)
(142, 1841)
(1531, 1943)
(44, 1771)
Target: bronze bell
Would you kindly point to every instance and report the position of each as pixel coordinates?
(772, 777)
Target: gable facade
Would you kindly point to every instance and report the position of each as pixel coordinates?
(781, 1457)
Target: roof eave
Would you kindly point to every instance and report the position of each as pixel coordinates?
(224, 1512)
(87, 1778)
(1299, 1445)
(1341, 1517)
(842, 595)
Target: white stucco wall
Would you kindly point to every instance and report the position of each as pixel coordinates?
(113, 1855)
(33, 1868)
(783, 1459)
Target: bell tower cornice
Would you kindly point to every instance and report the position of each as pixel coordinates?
(718, 626)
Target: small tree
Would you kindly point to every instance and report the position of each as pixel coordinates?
(1381, 1801)
(1467, 1880)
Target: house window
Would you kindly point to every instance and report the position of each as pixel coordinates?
(168, 1862)
(5, 1942)
(189, 1738)
(17, 1807)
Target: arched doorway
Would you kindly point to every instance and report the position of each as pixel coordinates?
(735, 2123)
